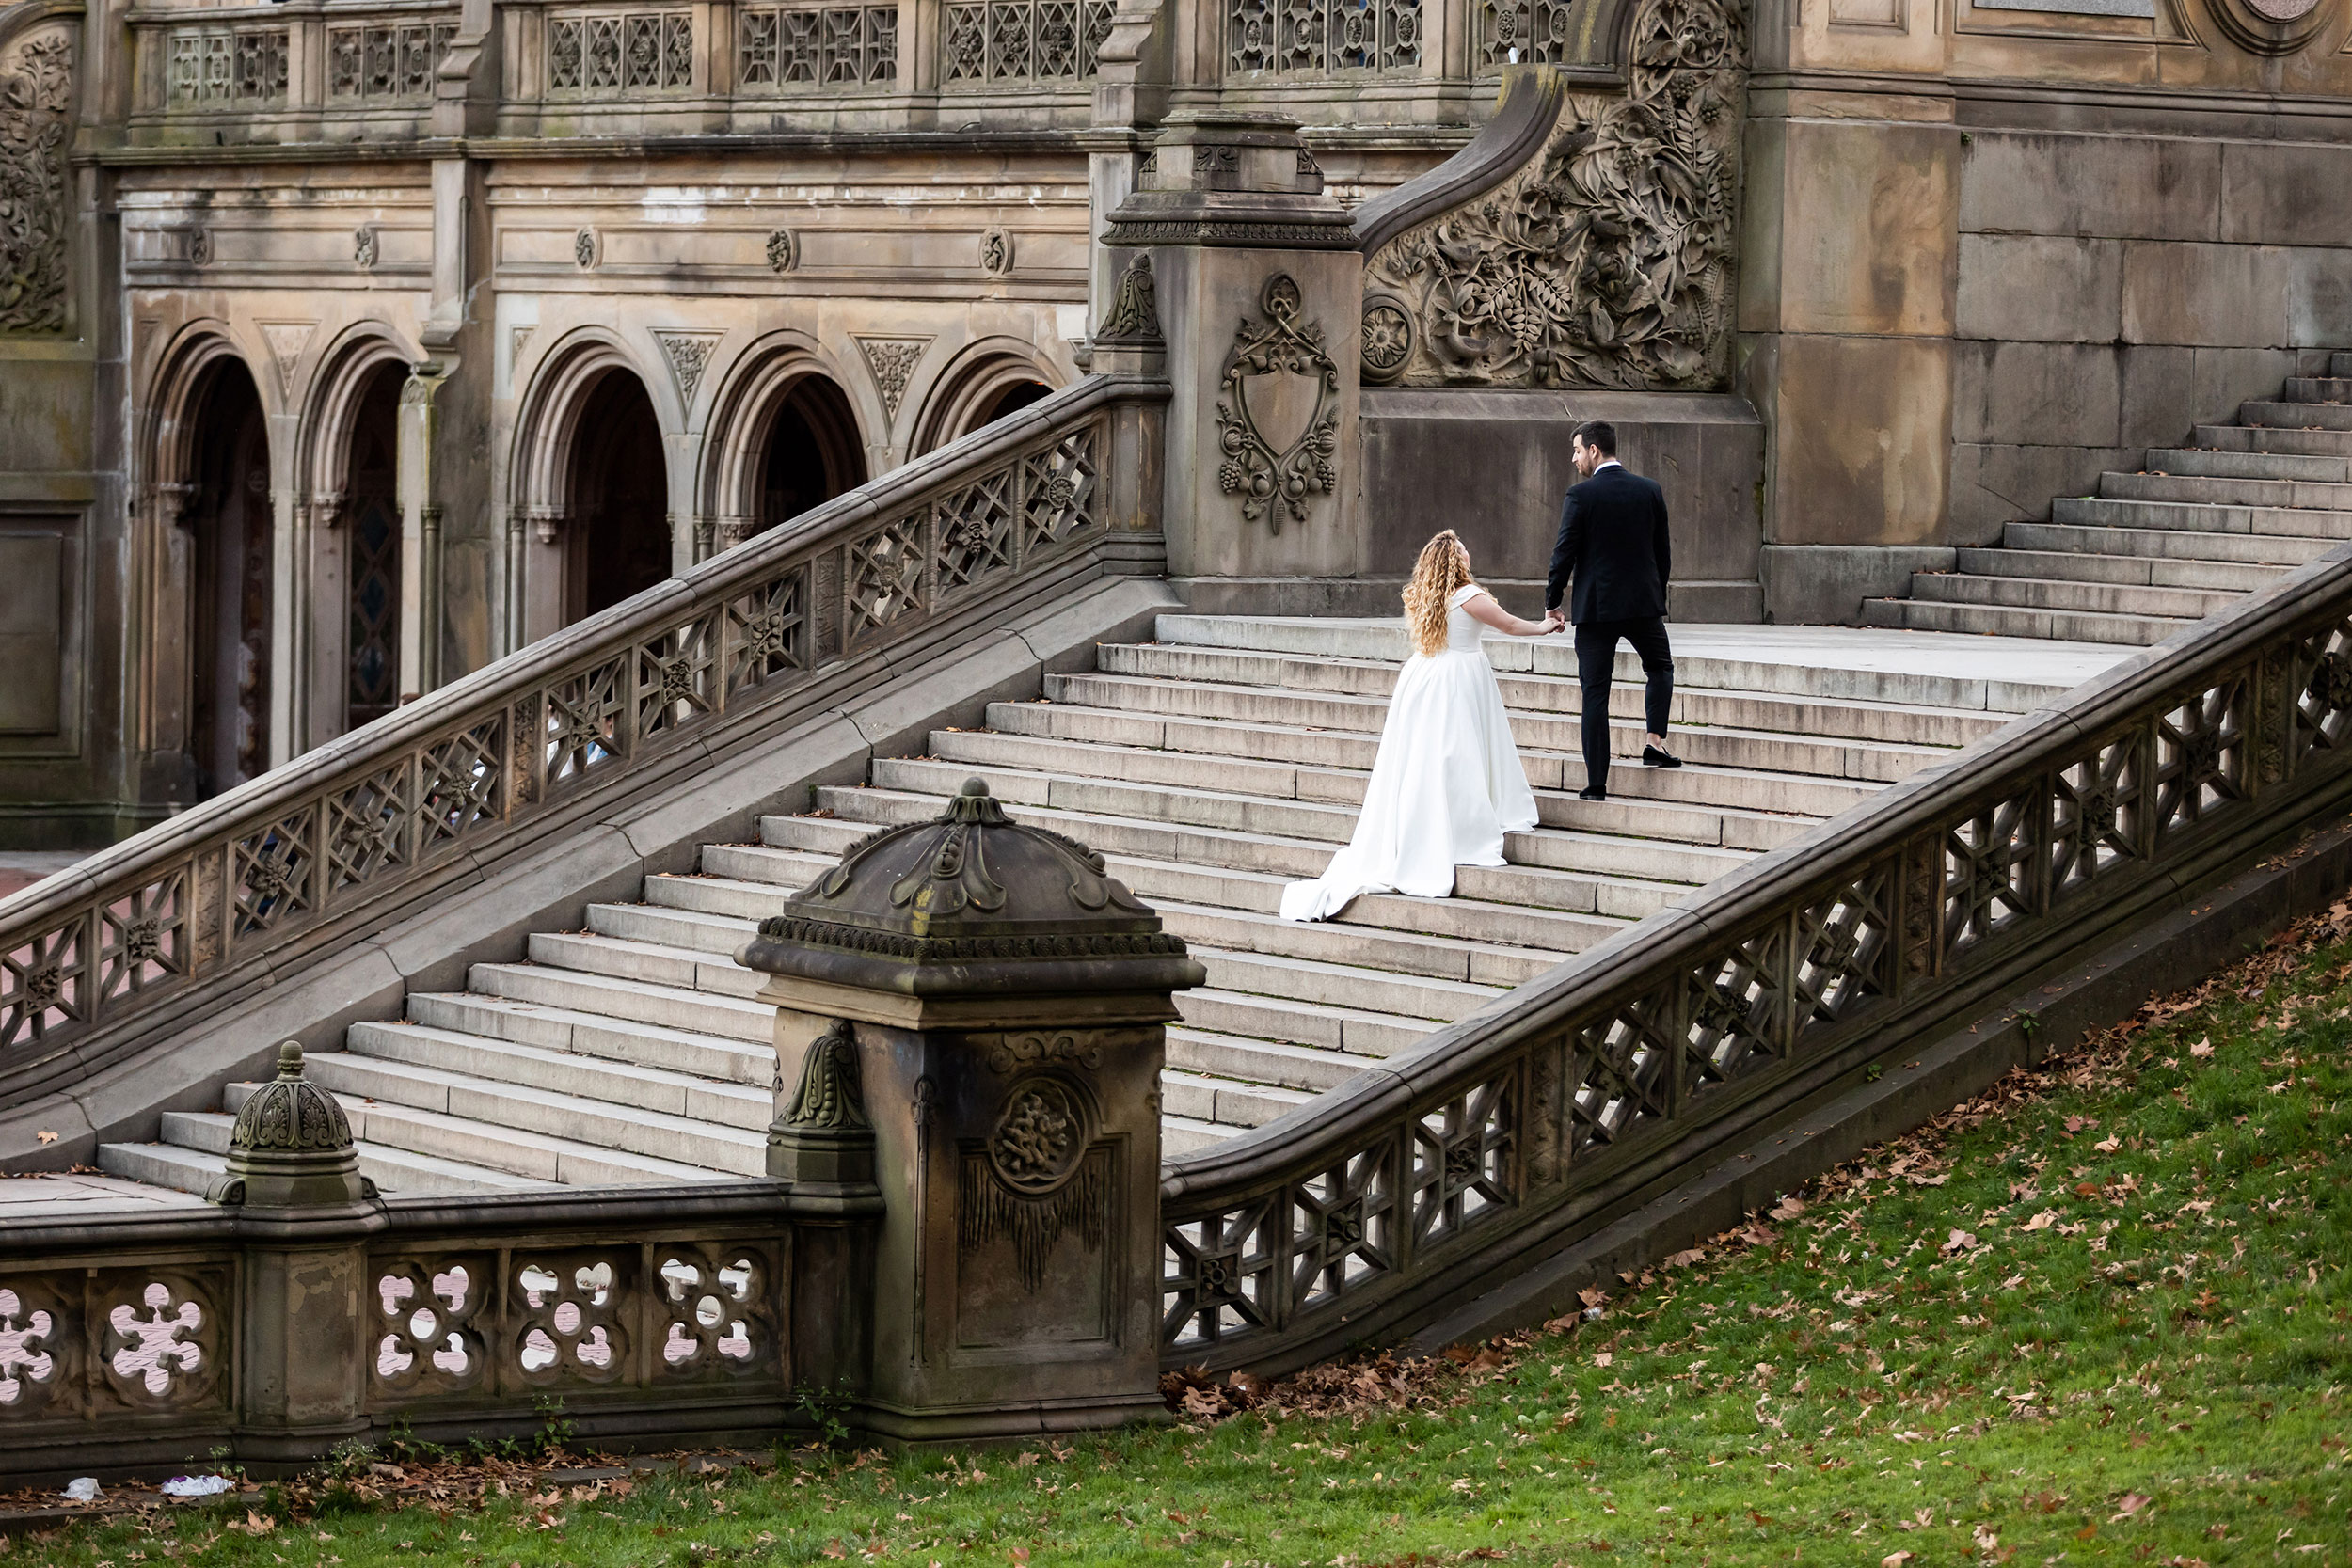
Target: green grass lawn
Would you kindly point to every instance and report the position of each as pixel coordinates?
(2099, 1315)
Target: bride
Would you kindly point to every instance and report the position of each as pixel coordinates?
(1446, 783)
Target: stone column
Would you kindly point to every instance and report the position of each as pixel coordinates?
(304, 1213)
(972, 1011)
(1261, 298)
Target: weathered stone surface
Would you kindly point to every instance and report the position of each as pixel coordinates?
(2056, 289)
(2112, 188)
(1867, 214)
(1862, 433)
(1995, 484)
(2035, 393)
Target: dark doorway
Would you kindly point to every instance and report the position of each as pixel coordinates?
(620, 500)
(372, 555)
(1012, 399)
(228, 643)
(813, 451)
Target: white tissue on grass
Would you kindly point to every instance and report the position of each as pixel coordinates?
(82, 1489)
(196, 1486)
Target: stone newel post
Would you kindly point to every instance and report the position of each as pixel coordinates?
(1259, 291)
(987, 1007)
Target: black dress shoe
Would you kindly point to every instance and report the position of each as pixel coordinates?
(1594, 793)
(1653, 757)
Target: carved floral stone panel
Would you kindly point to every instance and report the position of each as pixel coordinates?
(1609, 260)
(36, 101)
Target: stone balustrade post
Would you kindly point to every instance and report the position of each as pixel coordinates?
(304, 1214)
(1260, 301)
(972, 1012)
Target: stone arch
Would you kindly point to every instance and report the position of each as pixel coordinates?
(356, 565)
(986, 380)
(207, 536)
(784, 437)
(589, 421)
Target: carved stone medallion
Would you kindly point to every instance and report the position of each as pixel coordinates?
(584, 248)
(2269, 26)
(1278, 426)
(996, 252)
(1040, 1137)
(1608, 259)
(365, 247)
(784, 250)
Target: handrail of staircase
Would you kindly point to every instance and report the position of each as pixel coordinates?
(1430, 1179)
(338, 842)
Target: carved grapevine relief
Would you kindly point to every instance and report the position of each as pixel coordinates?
(1282, 354)
(1608, 260)
(36, 96)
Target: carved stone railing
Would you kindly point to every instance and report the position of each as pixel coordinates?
(233, 65)
(662, 1313)
(311, 858)
(1322, 38)
(1633, 1067)
(620, 53)
(987, 42)
(786, 49)
(386, 61)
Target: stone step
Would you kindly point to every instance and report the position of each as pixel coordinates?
(1182, 1134)
(1665, 854)
(597, 952)
(637, 1001)
(1756, 749)
(2138, 571)
(1226, 1101)
(1632, 787)
(1509, 904)
(2182, 517)
(699, 931)
(164, 1164)
(2257, 438)
(2319, 389)
(2281, 415)
(1354, 1031)
(1041, 771)
(373, 1087)
(2158, 544)
(1841, 716)
(2248, 462)
(2074, 626)
(396, 1172)
(1337, 985)
(1395, 952)
(746, 899)
(1279, 1063)
(591, 1034)
(2069, 594)
(638, 1088)
(2217, 491)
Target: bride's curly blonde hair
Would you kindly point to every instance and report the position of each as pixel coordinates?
(1444, 566)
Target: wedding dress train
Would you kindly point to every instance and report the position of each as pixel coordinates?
(1446, 783)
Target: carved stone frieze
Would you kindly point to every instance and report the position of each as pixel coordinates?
(689, 353)
(36, 103)
(1277, 425)
(1608, 259)
(892, 362)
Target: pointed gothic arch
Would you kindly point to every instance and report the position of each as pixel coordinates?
(985, 380)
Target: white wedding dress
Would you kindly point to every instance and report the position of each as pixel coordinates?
(1446, 783)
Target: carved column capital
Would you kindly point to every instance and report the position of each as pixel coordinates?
(174, 503)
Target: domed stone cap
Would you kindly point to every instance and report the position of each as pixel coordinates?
(292, 1145)
(971, 902)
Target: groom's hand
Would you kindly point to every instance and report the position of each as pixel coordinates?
(1553, 621)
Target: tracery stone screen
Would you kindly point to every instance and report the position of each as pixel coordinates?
(611, 53)
(1322, 37)
(817, 48)
(227, 67)
(1521, 32)
(1023, 40)
(384, 63)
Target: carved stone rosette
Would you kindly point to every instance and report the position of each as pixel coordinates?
(1277, 479)
(1608, 259)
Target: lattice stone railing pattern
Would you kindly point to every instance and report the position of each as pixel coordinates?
(225, 66)
(1521, 32)
(1021, 41)
(813, 48)
(386, 63)
(415, 798)
(631, 1306)
(612, 54)
(2040, 841)
(1322, 37)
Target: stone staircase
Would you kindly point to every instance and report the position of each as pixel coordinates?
(2155, 551)
(1209, 766)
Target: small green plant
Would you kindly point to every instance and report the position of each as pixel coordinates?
(826, 1411)
(556, 1429)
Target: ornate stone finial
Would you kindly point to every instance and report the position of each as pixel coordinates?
(828, 1094)
(1135, 316)
(291, 1146)
(823, 1141)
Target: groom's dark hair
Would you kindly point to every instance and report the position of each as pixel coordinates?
(1599, 434)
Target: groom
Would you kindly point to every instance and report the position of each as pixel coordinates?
(1612, 542)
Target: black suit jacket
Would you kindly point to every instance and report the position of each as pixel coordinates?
(1613, 544)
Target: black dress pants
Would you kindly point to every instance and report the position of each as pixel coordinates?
(1595, 658)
